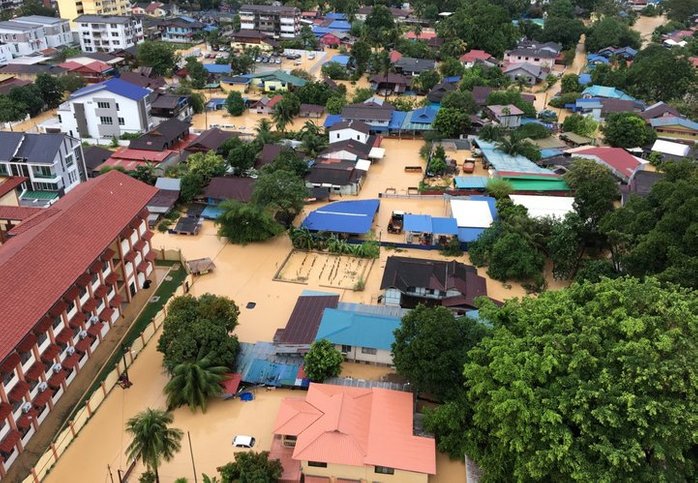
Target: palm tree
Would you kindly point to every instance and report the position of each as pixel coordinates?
(153, 439)
(263, 130)
(512, 145)
(311, 129)
(194, 383)
(281, 116)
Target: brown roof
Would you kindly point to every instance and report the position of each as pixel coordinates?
(368, 112)
(95, 156)
(210, 140)
(304, 321)
(336, 172)
(162, 136)
(268, 154)
(312, 108)
(230, 188)
(390, 78)
(101, 207)
(9, 183)
(362, 127)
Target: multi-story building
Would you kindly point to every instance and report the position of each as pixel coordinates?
(31, 34)
(180, 30)
(106, 110)
(107, 33)
(280, 21)
(53, 320)
(71, 9)
(52, 163)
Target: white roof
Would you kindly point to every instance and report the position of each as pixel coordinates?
(363, 165)
(376, 153)
(668, 147)
(542, 206)
(172, 184)
(471, 213)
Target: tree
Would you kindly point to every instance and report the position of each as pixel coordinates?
(71, 82)
(577, 395)
(463, 101)
(158, 55)
(312, 139)
(561, 9)
(595, 190)
(514, 257)
(499, 188)
(426, 80)
(144, 173)
(570, 83)
(378, 23)
(10, 110)
(308, 38)
(658, 73)
(431, 346)
(322, 361)
(197, 73)
(196, 100)
(565, 31)
(208, 165)
(451, 122)
(361, 53)
(627, 130)
(334, 70)
(314, 93)
(50, 88)
(194, 383)
(503, 98)
(361, 94)
(251, 467)
(288, 160)
(195, 328)
(335, 104)
(285, 110)
(235, 104)
(244, 62)
(579, 124)
(282, 191)
(680, 10)
(28, 96)
(241, 155)
(566, 246)
(263, 132)
(154, 440)
(611, 32)
(245, 223)
(451, 66)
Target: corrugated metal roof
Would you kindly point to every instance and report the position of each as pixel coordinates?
(357, 329)
(352, 217)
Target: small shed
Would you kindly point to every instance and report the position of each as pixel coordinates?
(200, 266)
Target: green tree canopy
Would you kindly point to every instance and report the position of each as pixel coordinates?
(285, 110)
(570, 83)
(315, 93)
(503, 98)
(50, 88)
(627, 130)
(198, 75)
(281, 190)
(251, 467)
(158, 55)
(322, 361)
(10, 110)
(243, 223)
(451, 122)
(595, 190)
(153, 440)
(194, 383)
(28, 96)
(460, 100)
(235, 104)
(680, 10)
(573, 385)
(660, 74)
(361, 53)
(431, 346)
(611, 32)
(580, 124)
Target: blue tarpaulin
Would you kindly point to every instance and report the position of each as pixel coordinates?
(332, 119)
(350, 217)
(470, 182)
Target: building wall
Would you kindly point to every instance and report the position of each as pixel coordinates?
(541, 61)
(282, 25)
(363, 473)
(70, 9)
(69, 320)
(392, 297)
(83, 117)
(364, 354)
(9, 199)
(677, 133)
(345, 134)
(25, 42)
(107, 37)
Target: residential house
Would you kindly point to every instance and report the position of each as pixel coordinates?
(165, 199)
(304, 321)
(155, 9)
(224, 188)
(536, 53)
(606, 93)
(171, 106)
(419, 120)
(342, 433)
(70, 9)
(330, 40)
(675, 128)
(9, 82)
(106, 110)
(162, 137)
(670, 150)
(376, 116)
(268, 154)
(349, 130)
(23, 36)
(95, 71)
(180, 29)
(413, 67)
(618, 161)
(390, 83)
(342, 177)
(312, 111)
(95, 156)
(625, 53)
(108, 33)
(54, 324)
(439, 91)
(11, 189)
(53, 164)
(209, 140)
(659, 109)
(640, 184)
(266, 104)
(5, 54)
(276, 81)
(525, 72)
(408, 282)
(246, 39)
(507, 116)
(362, 333)
(350, 149)
(142, 80)
(600, 108)
(279, 21)
(474, 57)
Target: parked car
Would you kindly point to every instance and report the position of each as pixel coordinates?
(277, 60)
(311, 55)
(244, 441)
(298, 62)
(258, 59)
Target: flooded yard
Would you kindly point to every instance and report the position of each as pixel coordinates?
(326, 270)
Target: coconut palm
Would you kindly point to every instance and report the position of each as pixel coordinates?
(282, 117)
(263, 130)
(153, 438)
(194, 383)
(512, 145)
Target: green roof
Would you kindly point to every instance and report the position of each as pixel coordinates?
(539, 184)
(39, 195)
(282, 76)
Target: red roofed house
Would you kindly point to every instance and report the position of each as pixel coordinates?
(64, 275)
(330, 40)
(340, 433)
(621, 163)
(469, 59)
(91, 73)
(266, 105)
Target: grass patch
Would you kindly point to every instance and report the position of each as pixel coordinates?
(165, 292)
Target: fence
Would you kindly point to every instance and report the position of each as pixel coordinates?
(80, 418)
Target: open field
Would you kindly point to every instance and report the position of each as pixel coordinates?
(325, 269)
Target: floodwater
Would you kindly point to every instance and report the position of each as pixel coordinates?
(646, 25)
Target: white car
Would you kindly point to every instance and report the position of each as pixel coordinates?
(243, 441)
(311, 56)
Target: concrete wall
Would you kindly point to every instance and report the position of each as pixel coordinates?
(364, 473)
(356, 354)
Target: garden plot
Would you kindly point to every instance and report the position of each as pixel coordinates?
(325, 270)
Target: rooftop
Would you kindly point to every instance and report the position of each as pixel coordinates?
(358, 329)
(230, 188)
(115, 86)
(304, 321)
(351, 217)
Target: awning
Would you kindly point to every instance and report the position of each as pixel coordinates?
(116, 301)
(56, 379)
(151, 256)
(7, 445)
(107, 255)
(106, 314)
(18, 392)
(90, 305)
(58, 308)
(130, 256)
(95, 329)
(112, 278)
(376, 153)
(34, 372)
(71, 361)
(5, 410)
(43, 324)
(139, 245)
(26, 343)
(142, 267)
(101, 291)
(10, 362)
(42, 398)
(25, 420)
(78, 320)
(84, 344)
(65, 336)
(50, 353)
(84, 279)
(148, 235)
(96, 266)
(71, 293)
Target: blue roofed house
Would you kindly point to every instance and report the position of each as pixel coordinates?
(343, 217)
(106, 110)
(363, 333)
(180, 30)
(606, 92)
(218, 69)
(429, 231)
(627, 53)
(420, 120)
(340, 59)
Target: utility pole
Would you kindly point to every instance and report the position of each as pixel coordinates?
(191, 453)
(111, 477)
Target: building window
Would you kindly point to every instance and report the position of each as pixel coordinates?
(117, 106)
(57, 321)
(7, 377)
(24, 356)
(384, 470)
(121, 121)
(107, 121)
(71, 306)
(317, 464)
(369, 351)
(83, 291)
(103, 105)
(346, 348)
(94, 278)
(41, 338)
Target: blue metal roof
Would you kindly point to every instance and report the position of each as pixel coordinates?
(607, 92)
(115, 86)
(417, 223)
(674, 121)
(358, 329)
(452, 79)
(468, 235)
(584, 79)
(238, 79)
(396, 120)
(336, 16)
(351, 217)
(332, 119)
(444, 226)
(470, 182)
(218, 68)
(340, 59)
(550, 153)
(429, 224)
(502, 161)
(340, 25)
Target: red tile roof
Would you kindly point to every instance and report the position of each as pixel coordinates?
(17, 213)
(356, 427)
(10, 183)
(617, 159)
(33, 275)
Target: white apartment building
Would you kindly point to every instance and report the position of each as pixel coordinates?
(31, 34)
(106, 110)
(106, 33)
(279, 21)
(53, 164)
